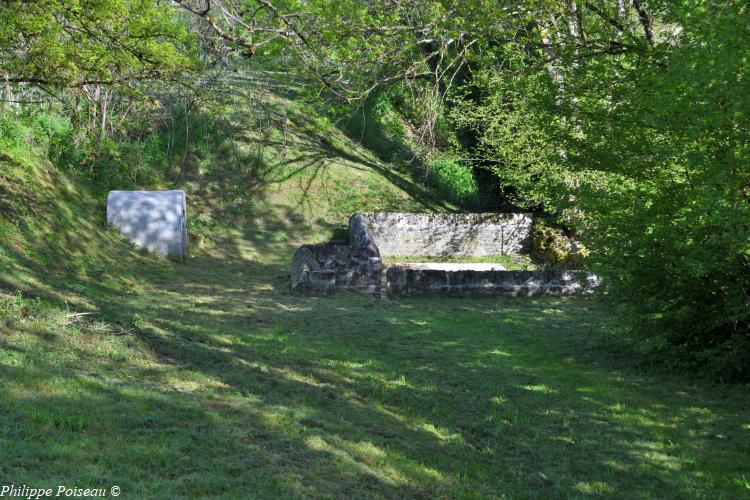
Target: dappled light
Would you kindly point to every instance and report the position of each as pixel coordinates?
(398, 398)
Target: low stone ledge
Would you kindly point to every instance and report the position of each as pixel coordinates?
(404, 280)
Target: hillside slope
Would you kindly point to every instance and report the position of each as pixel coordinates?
(209, 378)
(284, 176)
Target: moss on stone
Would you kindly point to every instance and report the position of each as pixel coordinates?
(553, 248)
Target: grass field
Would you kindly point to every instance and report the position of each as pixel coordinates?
(210, 379)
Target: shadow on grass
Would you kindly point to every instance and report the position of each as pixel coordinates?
(228, 382)
(305, 147)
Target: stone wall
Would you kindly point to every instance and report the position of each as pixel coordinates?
(409, 280)
(323, 268)
(477, 235)
(360, 236)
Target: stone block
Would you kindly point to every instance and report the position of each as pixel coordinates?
(154, 220)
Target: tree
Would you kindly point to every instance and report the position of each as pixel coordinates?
(71, 43)
(636, 138)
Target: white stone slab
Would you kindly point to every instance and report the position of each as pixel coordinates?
(453, 266)
(154, 220)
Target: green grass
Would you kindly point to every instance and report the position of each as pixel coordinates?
(210, 378)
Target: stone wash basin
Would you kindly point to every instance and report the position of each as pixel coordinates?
(324, 268)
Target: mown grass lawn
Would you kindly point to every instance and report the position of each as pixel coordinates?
(209, 378)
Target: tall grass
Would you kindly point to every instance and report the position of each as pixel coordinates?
(142, 153)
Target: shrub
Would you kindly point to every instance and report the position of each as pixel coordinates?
(378, 126)
(454, 181)
(25, 136)
(388, 118)
(16, 136)
(226, 149)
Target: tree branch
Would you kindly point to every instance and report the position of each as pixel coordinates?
(645, 21)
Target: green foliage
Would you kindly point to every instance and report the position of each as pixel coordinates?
(150, 149)
(14, 136)
(74, 42)
(455, 181)
(645, 154)
(384, 113)
(382, 126)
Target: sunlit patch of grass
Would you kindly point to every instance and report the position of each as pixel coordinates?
(594, 488)
(540, 388)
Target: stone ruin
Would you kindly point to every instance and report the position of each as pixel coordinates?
(321, 269)
(154, 220)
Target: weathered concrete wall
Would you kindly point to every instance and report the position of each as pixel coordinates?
(403, 280)
(154, 220)
(419, 234)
